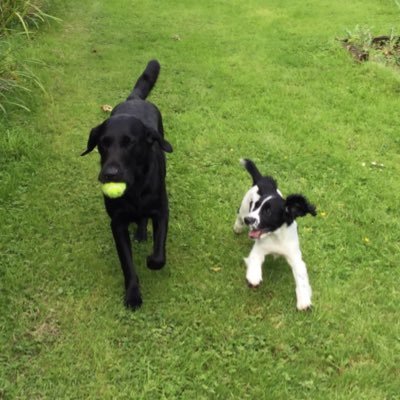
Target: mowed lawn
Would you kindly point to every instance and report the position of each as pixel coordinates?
(265, 80)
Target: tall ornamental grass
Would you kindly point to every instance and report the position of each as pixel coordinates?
(21, 14)
(16, 76)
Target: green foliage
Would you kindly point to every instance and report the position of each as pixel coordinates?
(385, 51)
(17, 78)
(21, 14)
(360, 36)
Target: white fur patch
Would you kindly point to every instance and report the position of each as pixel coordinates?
(253, 272)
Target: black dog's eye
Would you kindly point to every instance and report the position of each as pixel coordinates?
(127, 141)
(105, 142)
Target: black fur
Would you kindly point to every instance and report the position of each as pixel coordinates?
(266, 184)
(131, 145)
(276, 211)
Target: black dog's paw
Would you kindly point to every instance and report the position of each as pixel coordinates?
(155, 262)
(133, 299)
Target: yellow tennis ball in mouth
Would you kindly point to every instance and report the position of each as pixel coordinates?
(113, 190)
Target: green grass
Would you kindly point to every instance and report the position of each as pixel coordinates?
(17, 15)
(264, 80)
(18, 18)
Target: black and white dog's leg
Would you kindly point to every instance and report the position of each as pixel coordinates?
(303, 288)
(254, 266)
(160, 229)
(120, 232)
(243, 210)
(239, 224)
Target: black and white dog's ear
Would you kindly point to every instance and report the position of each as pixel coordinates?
(296, 205)
(93, 140)
(154, 136)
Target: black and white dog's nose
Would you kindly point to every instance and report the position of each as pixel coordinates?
(249, 220)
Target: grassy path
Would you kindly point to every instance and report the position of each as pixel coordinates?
(259, 79)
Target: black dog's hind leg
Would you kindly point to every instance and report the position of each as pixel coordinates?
(141, 231)
(160, 229)
(120, 232)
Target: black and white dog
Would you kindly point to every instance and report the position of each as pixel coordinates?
(271, 220)
(131, 145)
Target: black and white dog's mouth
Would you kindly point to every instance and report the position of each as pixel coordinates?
(256, 233)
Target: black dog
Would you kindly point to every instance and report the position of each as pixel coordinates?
(131, 145)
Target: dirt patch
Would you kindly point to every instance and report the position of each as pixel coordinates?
(363, 47)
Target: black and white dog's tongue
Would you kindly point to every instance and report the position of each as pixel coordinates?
(255, 234)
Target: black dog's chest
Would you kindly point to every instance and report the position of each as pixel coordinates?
(133, 208)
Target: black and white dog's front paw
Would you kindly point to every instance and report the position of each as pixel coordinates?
(133, 298)
(239, 226)
(253, 274)
(253, 281)
(303, 299)
(304, 306)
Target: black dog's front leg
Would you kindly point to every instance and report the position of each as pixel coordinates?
(120, 232)
(160, 229)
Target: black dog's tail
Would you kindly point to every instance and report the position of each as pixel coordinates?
(252, 169)
(146, 81)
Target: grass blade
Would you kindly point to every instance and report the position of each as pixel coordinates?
(26, 30)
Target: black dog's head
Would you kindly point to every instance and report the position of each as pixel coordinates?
(269, 211)
(124, 144)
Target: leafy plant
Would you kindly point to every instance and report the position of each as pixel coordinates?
(17, 14)
(16, 75)
(383, 49)
(16, 79)
(360, 36)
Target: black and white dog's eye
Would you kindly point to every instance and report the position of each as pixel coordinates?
(267, 211)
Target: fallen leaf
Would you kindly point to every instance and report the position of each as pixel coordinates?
(376, 164)
(106, 108)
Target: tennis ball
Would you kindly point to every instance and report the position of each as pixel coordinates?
(113, 190)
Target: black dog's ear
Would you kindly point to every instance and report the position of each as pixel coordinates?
(154, 136)
(296, 205)
(94, 136)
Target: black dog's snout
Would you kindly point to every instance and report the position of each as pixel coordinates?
(110, 173)
(249, 220)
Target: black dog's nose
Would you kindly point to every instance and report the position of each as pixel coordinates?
(249, 220)
(110, 173)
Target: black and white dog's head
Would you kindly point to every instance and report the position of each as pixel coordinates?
(267, 209)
